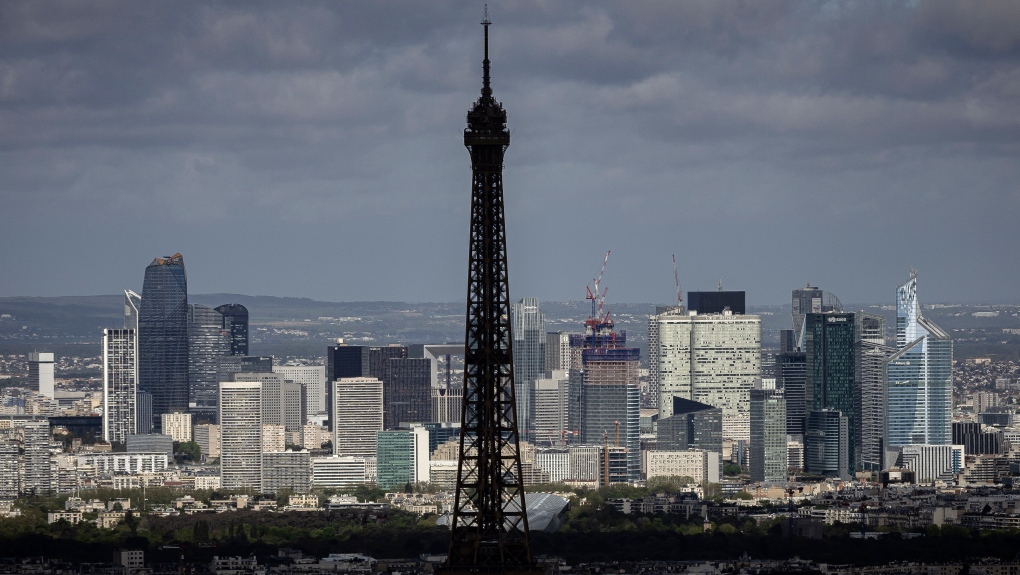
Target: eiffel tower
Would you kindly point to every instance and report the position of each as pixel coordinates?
(490, 524)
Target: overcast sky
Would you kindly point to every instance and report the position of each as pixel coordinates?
(315, 149)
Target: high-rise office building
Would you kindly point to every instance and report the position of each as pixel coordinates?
(359, 415)
(281, 400)
(240, 417)
(705, 302)
(768, 456)
(379, 359)
(233, 364)
(40, 373)
(529, 341)
(557, 351)
(829, 340)
(713, 359)
(551, 403)
(10, 472)
(312, 379)
(207, 436)
(403, 457)
(343, 361)
(610, 401)
(787, 341)
(235, 322)
(143, 411)
(447, 402)
(407, 391)
(791, 377)
(120, 381)
(811, 300)
(870, 403)
(920, 376)
(163, 335)
(208, 341)
(132, 303)
(826, 444)
(39, 466)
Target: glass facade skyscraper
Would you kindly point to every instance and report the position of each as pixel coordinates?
(529, 341)
(920, 376)
(829, 340)
(208, 341)
(163, 336)
(235, 321)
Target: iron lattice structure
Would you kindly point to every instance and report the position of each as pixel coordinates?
(489, 525)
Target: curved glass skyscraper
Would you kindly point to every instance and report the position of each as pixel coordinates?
(920, 376)
(163, 336)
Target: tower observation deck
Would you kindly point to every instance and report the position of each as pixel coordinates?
(489, 527)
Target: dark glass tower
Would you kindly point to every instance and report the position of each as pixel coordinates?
(490, 524)
(235, 320)
(829, 340)
(407, 392)
(208, 341)
(163, 336)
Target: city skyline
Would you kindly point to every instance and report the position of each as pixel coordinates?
(710, 131)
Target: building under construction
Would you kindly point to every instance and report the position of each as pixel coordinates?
(605, 395)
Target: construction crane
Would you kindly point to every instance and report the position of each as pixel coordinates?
(676, 276)
(597, 299)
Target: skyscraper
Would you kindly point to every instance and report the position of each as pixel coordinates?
(529, 357)
(235, 321)
(870, 403)
(829, 340)
(791, 377)
(163, 335)
(359, 415)
(407, 392)
(811, 300)
(705, 302)
(768, 436)
(610, 401)
(403, 457)
(313, 379)
(713, 359)
(208, 341)
(240, 417)
(693, 425)
(826, 444)
(557, 351)
(920, 376)
(120, 381)
(40, 373)
(39, 477)
(343, 361)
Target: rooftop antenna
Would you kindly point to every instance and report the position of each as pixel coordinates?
(486, 89)
(676, 276)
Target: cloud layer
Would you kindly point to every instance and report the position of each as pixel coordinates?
(314, 149)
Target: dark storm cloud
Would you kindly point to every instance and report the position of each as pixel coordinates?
(313, 149)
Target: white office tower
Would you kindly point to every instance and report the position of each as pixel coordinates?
(709, 358)
(312, 379)
(293, 406)
(39, 466)
(40, 373)
(551, 405)
(529, 357)
(272, 394)
(177, 426)
(768, 458)
(557, 351)
(240, 417)
(120, 383)
(358, 409)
